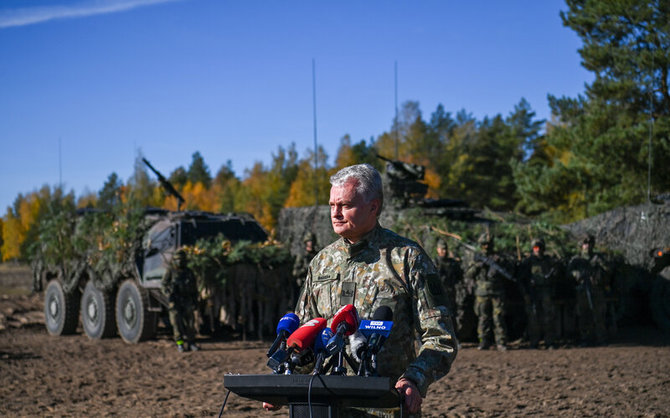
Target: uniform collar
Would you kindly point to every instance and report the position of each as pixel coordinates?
(367, 241)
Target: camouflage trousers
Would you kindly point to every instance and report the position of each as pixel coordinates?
(182, 321)
(490, 311)
(591, 316)
(541, 318)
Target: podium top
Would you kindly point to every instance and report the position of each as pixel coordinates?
(342, 391)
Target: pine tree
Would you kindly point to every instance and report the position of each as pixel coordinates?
(198, 172)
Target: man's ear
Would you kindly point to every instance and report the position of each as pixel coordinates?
(374, 206)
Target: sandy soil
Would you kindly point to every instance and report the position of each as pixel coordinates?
(74, 376)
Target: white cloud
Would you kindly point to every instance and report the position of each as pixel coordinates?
(32, 15)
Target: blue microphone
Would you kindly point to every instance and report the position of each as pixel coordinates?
(321, 350)
(286, 326)
(376, 330)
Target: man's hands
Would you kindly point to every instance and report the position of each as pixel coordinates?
(270, 407)
(410, 393)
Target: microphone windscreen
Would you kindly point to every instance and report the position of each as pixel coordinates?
(347, 315)
(357, 343)
(383, 313)
(304, 336)
(289, 323)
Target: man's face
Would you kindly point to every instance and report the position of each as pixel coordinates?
(537, 250)
(309, 246)
(350, 215)
(441, 252)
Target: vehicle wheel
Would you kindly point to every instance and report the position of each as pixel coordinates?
(660, 302)
(133, 319)
(60, 309)
(97, 313)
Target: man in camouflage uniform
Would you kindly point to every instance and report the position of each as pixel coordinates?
(370, 267)
(180, 286)
(590, 274)
(450, 273)
(537, 275)
(301, 264)
(488, 274)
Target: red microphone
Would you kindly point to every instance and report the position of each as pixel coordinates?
(345, 321)
(304, 336)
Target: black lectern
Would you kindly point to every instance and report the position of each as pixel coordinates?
(328, 394)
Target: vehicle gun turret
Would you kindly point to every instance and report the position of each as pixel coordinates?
(169, 188)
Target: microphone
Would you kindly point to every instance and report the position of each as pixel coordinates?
(286, 326)
(301, 339)
(376, 331)
(320, 349)
(304, 336)
(345, 322)
(358, 344)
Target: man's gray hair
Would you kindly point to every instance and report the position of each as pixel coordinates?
(369, 181)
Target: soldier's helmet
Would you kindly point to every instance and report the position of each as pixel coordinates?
(442, 244)
(485, 239)
(538, 242)
(587, 239)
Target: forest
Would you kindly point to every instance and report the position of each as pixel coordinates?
(605, 148)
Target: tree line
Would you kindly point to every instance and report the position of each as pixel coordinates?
(605, 148)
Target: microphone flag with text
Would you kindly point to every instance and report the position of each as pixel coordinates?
(376, 331)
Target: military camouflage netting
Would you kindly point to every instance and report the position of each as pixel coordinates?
(246, 286)
(632, 231)
(75, 246)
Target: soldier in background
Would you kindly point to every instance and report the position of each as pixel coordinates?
(488, 274)
(589, 271)
(450, 272)
(180, 286)
(301, 264)
(538, 274)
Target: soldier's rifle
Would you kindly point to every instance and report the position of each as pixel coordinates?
(478, 256)
(169, 188)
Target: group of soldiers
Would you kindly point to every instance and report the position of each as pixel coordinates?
(478, 292)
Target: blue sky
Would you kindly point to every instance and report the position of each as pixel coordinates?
(233, 79)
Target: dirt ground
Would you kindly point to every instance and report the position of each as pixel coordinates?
(41, 375)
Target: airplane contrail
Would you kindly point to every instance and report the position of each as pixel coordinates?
(32, 15)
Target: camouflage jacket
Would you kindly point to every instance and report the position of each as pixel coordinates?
(385, 269)
(450, 272)
(592, 267)
(538, 272)
(180, 286)
(488, 282)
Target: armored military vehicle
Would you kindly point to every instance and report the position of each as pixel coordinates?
(108, 267)
(404, 188)
(125, 295)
